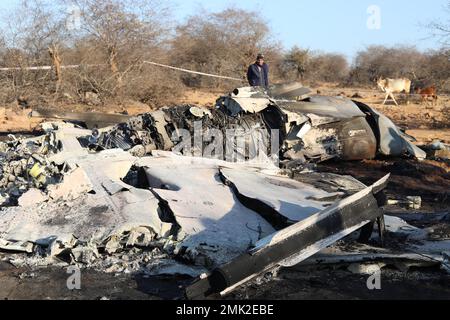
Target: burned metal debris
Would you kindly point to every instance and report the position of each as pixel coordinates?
(295, 127)
(318, 128)
(24, 165)
(188, 130)
(128, 198)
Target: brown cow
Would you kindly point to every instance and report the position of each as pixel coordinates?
(429, 92)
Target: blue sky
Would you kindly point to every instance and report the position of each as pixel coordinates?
(331, 25)
(337, 25)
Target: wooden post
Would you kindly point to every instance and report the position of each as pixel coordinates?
(114, 65)
(56, 60)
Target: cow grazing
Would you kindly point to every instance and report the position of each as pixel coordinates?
(429, 92)
(391, 86)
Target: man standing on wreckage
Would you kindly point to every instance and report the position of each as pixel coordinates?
(258, 73)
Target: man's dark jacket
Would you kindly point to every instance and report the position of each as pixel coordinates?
(258, 76)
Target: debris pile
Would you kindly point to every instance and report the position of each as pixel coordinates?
(187, 130)
(313, 129)
(128, 198)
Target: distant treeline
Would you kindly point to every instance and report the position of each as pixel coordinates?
(111, 38)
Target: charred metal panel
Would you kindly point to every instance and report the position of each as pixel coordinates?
(326, 107)
(391, 141)
(291, 91)
(320, 143)
(288, 201)
(91, 119)
(337, 130)
(294, 244)
(357, 140)
(236, 105)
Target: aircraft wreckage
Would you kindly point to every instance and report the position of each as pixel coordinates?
(77, 195)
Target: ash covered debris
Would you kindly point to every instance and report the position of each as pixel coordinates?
(24, 165)
(127, 198)
(187, 130)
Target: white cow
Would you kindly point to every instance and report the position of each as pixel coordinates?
(391, 86)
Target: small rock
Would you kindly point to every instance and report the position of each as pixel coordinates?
(4, 200)
(357, 96)
(115, 268)
(32, 198)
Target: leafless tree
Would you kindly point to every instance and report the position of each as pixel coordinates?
(436, 70)
(381, 61)
(120, 34)
(296, 60)
(314, 66)
(441, 29)
(34, 26)
(223, 43)
(31, 29)
(328, 67)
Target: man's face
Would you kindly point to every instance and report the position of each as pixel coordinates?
(260, 61)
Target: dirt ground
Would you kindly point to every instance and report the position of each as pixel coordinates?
(341, 284)
(290, 284)
(428, 179)
(51, 284)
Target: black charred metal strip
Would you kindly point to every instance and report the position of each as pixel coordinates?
(297, 242)
(272, 216)
(372, 120)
